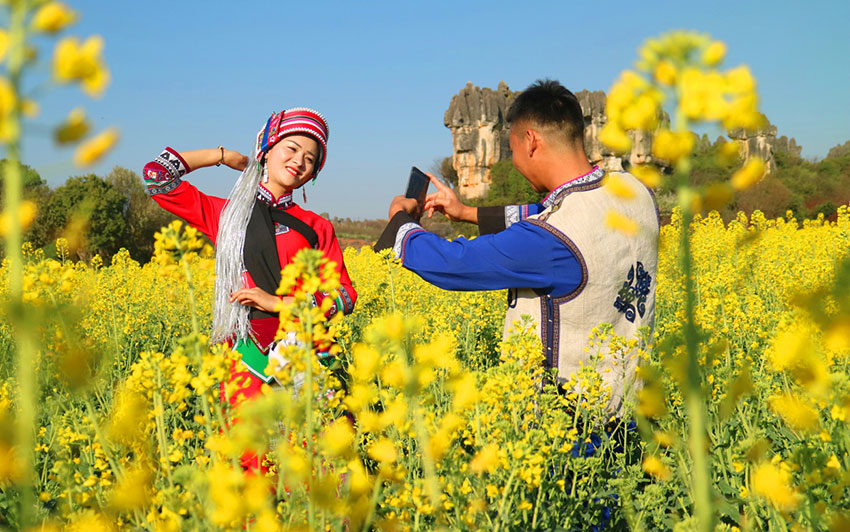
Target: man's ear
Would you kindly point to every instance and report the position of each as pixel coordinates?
(533, 141)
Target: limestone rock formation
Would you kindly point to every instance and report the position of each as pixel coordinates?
(476, 118)
(839, 151)
(764, 143)
(787, 145)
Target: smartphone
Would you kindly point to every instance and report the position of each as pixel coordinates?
(417, 184)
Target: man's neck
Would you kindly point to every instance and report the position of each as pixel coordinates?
(563, 170)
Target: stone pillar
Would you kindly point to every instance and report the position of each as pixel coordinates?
(476, 118)
(758, 143)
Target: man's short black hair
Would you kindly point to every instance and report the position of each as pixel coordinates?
(552, 107)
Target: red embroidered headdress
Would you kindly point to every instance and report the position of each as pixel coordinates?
(297, 120)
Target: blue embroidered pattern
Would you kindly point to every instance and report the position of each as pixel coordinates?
(631, 299)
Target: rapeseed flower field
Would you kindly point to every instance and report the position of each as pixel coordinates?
(422, 417)
(424, 421)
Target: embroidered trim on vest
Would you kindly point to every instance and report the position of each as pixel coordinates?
(554, 342)
(400, 237)
(545, 321)
(588, 181)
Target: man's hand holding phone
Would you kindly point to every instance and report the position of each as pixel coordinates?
(413, 201)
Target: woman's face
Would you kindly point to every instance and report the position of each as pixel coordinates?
(291, 162)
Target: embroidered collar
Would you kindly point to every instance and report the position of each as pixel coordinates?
(283, 202)
(593, 176)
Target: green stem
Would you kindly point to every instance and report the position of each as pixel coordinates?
(432, 485)
(694, 400)
(308, 387)
(27, 352)
(504, 501)
(104, 443)
(373, 501)
(160, 427)
(536, 506)
(392, 284)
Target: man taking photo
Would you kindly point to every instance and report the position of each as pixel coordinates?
(563, 265)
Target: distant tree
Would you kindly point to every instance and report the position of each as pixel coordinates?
(508, 186)
(89, 211)
(142, 215)
(36, 190)
(443, 169)
(448, 171)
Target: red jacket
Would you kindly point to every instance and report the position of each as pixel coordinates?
(163, 177)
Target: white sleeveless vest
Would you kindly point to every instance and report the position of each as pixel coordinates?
(617, 284)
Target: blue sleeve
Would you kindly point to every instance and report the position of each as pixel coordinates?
(524, 255)
(498, 218)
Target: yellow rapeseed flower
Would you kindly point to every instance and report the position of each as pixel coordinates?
(90, 522)
(739, 80)
(27, 211)
(656, 468)
(672, 146)
(729, 152)
(665, 72)
(617, 186)
(795, 411)
(621, 223)
(664, 439)
(383, 451)
(836, 337)
(615, 138)
(647, 174)
(717, 196)
(833, 463)
(133, 491)
(30, 108)
(750, 174)
(73, 61)
(487, 459)
(714, 53)
(651, 402)
(642, 114)
(75, 127)
(93, 149)
(4, 43)
(8, 100)
(53, 17)
(338, 438)
(774, 484)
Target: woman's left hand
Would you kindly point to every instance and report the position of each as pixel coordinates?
(255, 297)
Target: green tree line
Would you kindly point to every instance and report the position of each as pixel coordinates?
(97, 215)
(805, 187)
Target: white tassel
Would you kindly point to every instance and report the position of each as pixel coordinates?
(265, 173)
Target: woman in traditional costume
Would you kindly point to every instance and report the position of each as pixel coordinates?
(257, 231)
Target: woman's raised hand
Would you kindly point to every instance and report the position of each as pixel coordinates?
(235, 160)
(446, 201)
(258, 298)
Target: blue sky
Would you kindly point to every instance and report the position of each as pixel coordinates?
(193, 74)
